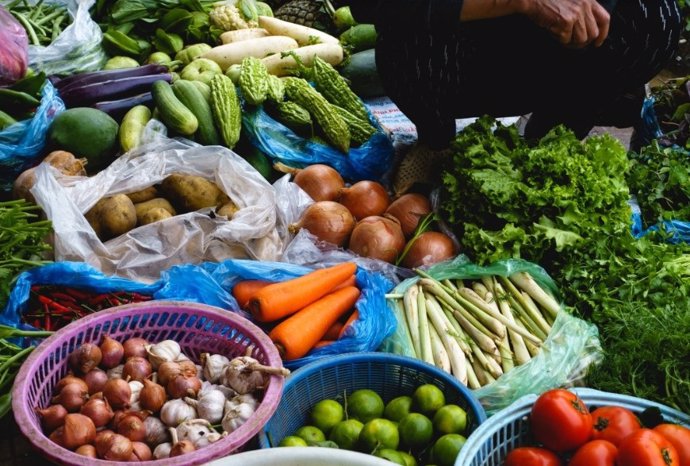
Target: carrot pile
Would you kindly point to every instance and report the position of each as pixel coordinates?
(307, 312)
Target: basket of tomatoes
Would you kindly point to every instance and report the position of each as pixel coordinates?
(580, 427)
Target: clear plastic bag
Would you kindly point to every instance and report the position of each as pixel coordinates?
(142, 253)
(76, 49)
(22, 143)
(13, 48)
(571, 348)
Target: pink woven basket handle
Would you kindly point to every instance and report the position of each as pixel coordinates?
(131, 319)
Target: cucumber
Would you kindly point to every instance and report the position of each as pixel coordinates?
(359, 37)
(360, 70)
(173, 113)
(204, 88)
(132, 127)
(192, 98)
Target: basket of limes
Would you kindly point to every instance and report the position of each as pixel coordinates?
(390, 406)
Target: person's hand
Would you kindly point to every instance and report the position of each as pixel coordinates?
(575, 23)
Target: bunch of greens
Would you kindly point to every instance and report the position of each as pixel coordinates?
(22, 241)
(563, 203)
(672, 110)
(660, 180)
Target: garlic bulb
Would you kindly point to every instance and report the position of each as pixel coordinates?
(174, 412)
(210, 405)
(245, 374)
(135, 386)
(116, 372)
(237, 413)
(162, 451)
(156, 431)
(166, 350)
(198, 431)
(213, 365)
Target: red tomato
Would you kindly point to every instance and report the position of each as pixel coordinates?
(646, 447)
(679, 437)
(560, 420)
(614, 423)
(595, 453)
(531, 456)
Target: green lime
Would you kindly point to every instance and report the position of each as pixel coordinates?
(293, 441)
(364, 405)
(391, 455)
(446, 449)
(450, 419)
(346, 434)
(326, 414)
(397, 408)
(408, 459)
(311, 434)
(415, 430)
(428, 398)
(379, 433)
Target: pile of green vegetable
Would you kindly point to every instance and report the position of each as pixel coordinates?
(43, 21)
(563, 203)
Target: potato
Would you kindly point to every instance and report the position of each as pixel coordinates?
(227, 210)
(154, 215)
(189, 193)
(142, 208)
(143, 195)
(112, 216)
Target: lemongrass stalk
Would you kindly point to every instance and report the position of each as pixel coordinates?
(535, 309)
(424, 337)
(412, 316)
(449, 284)
(445, 331)
(518, 343)
(400, 308)
(472, 381)
(481, 373)
(535, 316)
(459, 335)
(491, 315)
(531, 348)
(527, 283)
(476, 336)
(488, 364)
(459, 283)
(488, 282)
(525, 318)
(441, 358)
(480, 289)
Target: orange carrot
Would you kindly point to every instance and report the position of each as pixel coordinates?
(334, 331)
(354, 316)
(298, 334)
(278, 300)
(245, 289)
(352, 281)
(322, 343)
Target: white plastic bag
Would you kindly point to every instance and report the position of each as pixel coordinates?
(76, 49)
(192, 238)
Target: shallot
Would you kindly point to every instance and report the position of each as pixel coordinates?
(180, 447)
(77, 430)
(85, 357)
(135, 347)
(117, 392)
(152, 396)
(52, 417)
(98, 410)
(95, 380)
(112, 352)
(72, 397)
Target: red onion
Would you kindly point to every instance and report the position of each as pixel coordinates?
(132, 427)
(112, 351)
(78, 430)
(52, 417)
(95, 380)
(137, 368)
(85, 358)
(135, 347)
(117, 392)
(327, 220)
(69, 379)
(409, 209)
(365, 198)
(378, 238)
(87, 450)
(152, 396)
(141, 452)
(320, 181)
(72, 397)
(182, 386)
(428, 248)
(98, 410)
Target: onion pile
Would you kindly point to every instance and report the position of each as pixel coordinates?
(150, 394)
(362, 218)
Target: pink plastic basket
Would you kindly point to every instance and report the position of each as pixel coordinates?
(198, 328)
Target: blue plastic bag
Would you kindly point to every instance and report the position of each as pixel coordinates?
(673, 231)
(375, 323)
(23, 142)
(370, 161)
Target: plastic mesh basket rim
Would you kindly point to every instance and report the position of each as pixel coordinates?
(298, 378)
(502, 424)
(204, 314)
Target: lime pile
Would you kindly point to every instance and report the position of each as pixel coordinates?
(408, 430)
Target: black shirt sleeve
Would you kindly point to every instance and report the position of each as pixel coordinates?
(391, 14)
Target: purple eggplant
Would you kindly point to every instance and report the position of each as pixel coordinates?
(82, 79)
(117, 108)
(111, 90)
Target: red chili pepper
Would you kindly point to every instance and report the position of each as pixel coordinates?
(98, 299)
(78, 293)
(53, 305)
(58, 296)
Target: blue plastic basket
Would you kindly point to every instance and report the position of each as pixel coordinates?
(387, 374)
(509, 428)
